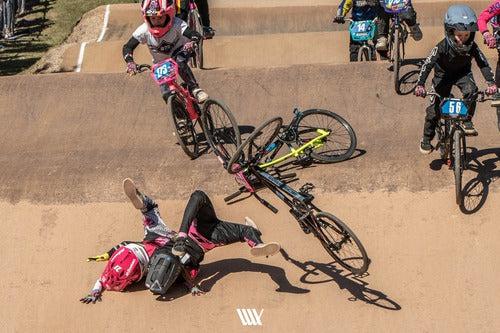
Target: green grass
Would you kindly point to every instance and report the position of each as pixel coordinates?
(46, 25)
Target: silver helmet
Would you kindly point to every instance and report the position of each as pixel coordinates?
(460, 18)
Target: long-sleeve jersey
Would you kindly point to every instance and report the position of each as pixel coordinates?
(450, 64)
(160, 48)
(361, 9)
(490, 14)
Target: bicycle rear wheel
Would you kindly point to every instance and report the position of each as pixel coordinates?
(253, 149)
(458, 165)
(184, 127)
(342, 244)
(221, 129)
(194, 23)
(338, 146)
(365, 54)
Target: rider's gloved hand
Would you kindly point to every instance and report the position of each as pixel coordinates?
(492, 89)
(189, 46)
(93, 297)
(339, 19)
(101, 257)
(420, 91)
(132, 68)
(490, 40)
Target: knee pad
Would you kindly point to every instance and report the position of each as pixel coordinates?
(164, 269)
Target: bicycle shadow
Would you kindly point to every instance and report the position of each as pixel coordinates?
(357, 287)
(408, 81)
(475, 192)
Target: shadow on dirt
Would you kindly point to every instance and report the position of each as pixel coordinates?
(316, 273)
(409, 71)
(475, 192)
(212, 272)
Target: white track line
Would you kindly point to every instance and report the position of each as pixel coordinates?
(80, 57)
(104, 24)
(81, 54)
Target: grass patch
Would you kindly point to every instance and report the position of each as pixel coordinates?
(47, 24)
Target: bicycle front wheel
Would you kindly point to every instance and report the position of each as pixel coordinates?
(342, 244)
(221, 129)
(338, 146)
(256, 146)
(396, 58)
(458, 164)
(184, 128)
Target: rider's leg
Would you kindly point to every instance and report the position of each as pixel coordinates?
(410, 18)
(183, 10)
(443, 88)
(187, 76)
(208, 32)
(468, 87)
(382, 29)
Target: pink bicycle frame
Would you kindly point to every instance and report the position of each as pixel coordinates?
(169, 78)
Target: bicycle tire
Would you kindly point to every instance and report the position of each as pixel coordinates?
(327, 231)
(270, 128)
(364, 55)
(221, 129)
(334, 124)
(184, 128)
(194, 23)
(458, 167)
(396, 58)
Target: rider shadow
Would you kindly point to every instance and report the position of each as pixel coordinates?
(408, 79)
(357, 287)
(215, 271)
(246, 129)
(475, 192)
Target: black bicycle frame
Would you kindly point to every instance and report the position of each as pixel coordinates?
(291, 129)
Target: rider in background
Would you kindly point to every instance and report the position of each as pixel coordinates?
(492, 15)
(409, 16)
(362, 10)
(166, 37)
(451, 59)
(183, 10)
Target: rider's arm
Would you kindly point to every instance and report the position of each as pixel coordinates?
(482, 63)
(428, 65)
(128, 49)
(191, 34)
(139, 36)
(344, 7)
(487, 14)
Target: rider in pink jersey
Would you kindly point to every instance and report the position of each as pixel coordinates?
(492, 15)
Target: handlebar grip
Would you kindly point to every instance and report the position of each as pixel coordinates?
(232, 196)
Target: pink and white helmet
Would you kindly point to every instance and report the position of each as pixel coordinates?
(126, 266)
(158, 8)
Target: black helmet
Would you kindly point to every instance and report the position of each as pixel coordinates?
(460, 18)
(164, 268)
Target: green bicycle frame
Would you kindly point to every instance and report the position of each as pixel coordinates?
(313, 143)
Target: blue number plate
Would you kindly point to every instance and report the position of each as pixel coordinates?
(164, 70)
(362, 30)
(454, 107)
(395, 6)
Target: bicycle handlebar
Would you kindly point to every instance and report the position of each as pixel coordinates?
(482, 99)
(143, 67)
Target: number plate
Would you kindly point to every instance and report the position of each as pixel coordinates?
(164, 71)
(454, 107)
(395, 6)
(362, 30)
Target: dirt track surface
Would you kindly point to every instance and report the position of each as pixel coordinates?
(66, 147)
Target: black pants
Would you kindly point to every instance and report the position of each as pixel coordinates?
(442, 86)
(219, 232)
(409, 17)
(202, 9)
